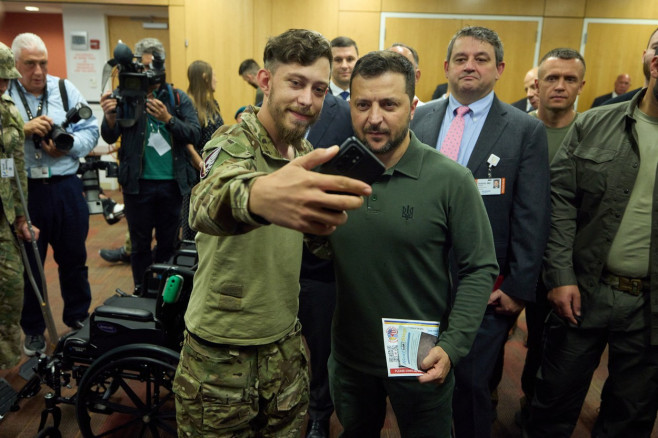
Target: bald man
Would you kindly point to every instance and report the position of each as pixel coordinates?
(531, 100)
(411, 54)
(622, 85)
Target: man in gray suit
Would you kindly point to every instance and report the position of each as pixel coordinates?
(499, 144)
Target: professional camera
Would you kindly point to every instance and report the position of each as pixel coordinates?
(135, 80)
(91, 183)
(62, 139)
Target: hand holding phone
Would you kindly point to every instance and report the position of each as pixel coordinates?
(354, 160)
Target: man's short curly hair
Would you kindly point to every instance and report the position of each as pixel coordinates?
(300, 46)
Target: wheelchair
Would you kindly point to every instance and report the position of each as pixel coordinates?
(123, 359)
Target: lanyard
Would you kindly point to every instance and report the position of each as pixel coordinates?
(35, 140)
(27, 107)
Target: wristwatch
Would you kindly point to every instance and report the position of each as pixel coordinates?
(170, 124)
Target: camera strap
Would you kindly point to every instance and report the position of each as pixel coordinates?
(64, 95)
(26, 106)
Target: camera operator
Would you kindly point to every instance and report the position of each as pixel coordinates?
(56, 204)
(11, 213)
(154, 169)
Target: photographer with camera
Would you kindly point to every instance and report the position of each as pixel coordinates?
(56, 204)
(155, 122)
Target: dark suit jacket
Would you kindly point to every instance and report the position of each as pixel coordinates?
(440, 90)
(623, 98)
(601, 100)
(521, 104)
(520, 217)
(334, 125)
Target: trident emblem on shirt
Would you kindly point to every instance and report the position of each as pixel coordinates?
(408, 212)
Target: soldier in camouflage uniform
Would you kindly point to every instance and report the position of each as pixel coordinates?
(243, 370)
(11, 214)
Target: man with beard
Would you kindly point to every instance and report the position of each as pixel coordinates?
(243, 369)
(391, 262)
(601, 273)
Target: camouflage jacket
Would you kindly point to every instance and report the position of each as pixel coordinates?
(11, 146)
(233, 158)
(246, 287)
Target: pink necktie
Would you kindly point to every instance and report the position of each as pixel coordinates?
(450, 145)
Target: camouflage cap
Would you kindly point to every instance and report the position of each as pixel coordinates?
(7, 65)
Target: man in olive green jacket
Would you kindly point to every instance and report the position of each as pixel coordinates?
(601, 271)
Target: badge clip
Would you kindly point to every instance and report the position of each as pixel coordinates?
(493, 161)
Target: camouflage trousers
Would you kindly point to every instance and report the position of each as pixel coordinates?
(242, 391)
(11, 296)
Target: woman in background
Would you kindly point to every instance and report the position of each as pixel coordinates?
(202, 83)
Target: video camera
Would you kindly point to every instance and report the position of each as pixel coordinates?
(62, 139)
(135, 80)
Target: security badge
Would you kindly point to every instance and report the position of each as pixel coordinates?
(38, 172)
(491, 186)
(7, 167)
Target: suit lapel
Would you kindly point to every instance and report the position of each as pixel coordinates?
(326, 116)
(430, 128)
(493, 128)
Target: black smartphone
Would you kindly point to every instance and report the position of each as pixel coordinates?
(354, 160)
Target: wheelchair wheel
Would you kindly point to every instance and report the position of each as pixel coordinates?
(130, 391)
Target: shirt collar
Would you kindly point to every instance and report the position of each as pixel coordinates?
(479, 108)
(411, 162)
(335, 89)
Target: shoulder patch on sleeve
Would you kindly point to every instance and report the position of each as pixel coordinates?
(209, 161)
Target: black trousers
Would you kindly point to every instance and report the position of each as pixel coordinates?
(317, 301)
(629, 398)
(58, 208)
(157, 207)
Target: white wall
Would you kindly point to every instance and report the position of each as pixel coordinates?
(84, 67)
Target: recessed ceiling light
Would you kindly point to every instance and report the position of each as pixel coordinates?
(31, 8)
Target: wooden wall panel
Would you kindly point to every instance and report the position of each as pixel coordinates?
(565, 8)
(472, 7)
(360, 5)
(644, 9)
(220, 32)
(612, 49)
(130, 31)
(262, 29)
(560, 32)
(431, 51)
(362, 27)
(177, 73)
(318, 15)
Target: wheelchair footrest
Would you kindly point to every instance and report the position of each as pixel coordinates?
(7, 397)
(26, 370)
